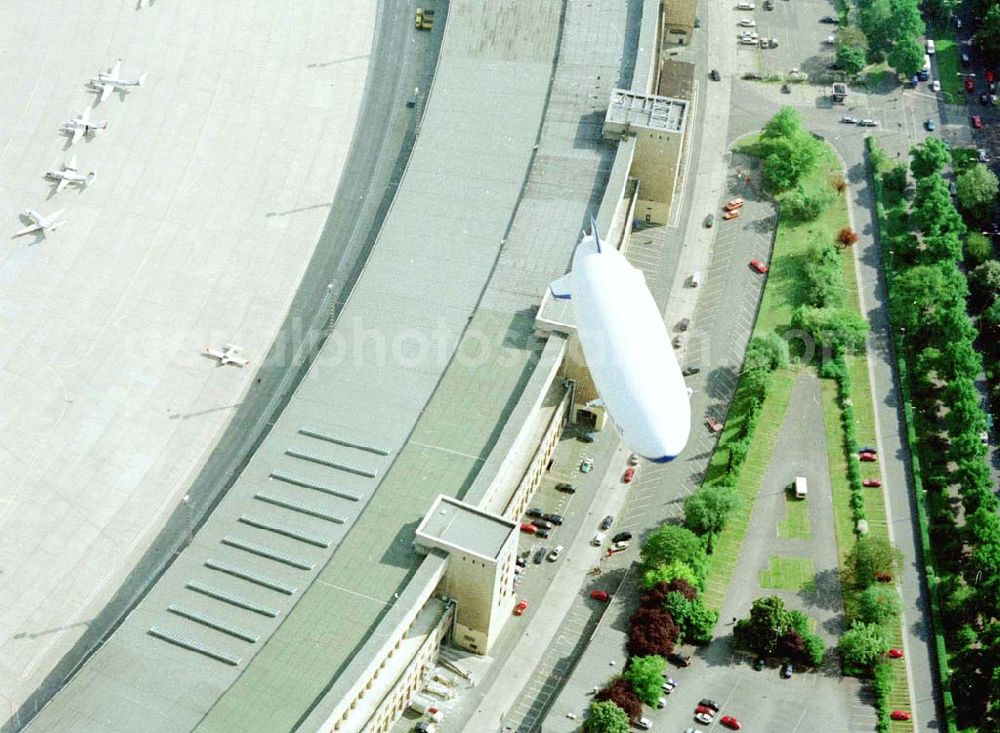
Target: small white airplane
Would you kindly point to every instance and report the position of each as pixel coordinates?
(71, 174)
(80, 126)
(228, 354)
(109, 81)
(41, 223)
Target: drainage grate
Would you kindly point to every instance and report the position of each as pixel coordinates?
(267, 552)
(284, 530)
(297, 507)
(193, 646)
(331, 463)
(249, 575)
(281, 476)
(214, 623)
(232, 599)
(344, 441)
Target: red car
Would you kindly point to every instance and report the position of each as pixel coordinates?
(529, 528)
(731, 214)
(600, 595)
(977, 121)
(969, 84)
(730, 722)
(871, 483)
(989, 76)
(899, 715)
(734, 204)
(868, 457)
(895, 654)
(520, 608)
(714, 425)
(759, 266)
(628, 475)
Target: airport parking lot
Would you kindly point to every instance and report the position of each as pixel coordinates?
(795, 25)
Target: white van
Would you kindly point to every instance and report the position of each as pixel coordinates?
(930, 47)
(695, 278)
(598, 539)
(745, 5)
(801, 488)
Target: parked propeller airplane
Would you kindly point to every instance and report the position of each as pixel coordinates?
(71, 174)
(228, 354)
(41, 223)
(109, 81)
(80, 126)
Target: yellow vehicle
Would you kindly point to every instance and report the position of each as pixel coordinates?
(424, 19)
(418, 23)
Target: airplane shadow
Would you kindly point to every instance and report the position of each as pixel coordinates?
(36, 237)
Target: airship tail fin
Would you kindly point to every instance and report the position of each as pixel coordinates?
(561, 288)
(595, 234)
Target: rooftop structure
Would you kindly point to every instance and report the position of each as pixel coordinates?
(628, 110)
(452, 525)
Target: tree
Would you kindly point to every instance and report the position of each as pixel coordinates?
(978, 248)
(861, 646)
(678, 585)
(645, 674)
(907, 57)
(669, 542)
(839, 329)
(851, 58)
(922, 295)
(652, 631)
(823, 274)
(879, 604)
(606, 717)
(620, 693)
(876, 22)
(988, 34)
(929, 157)
(786, 124)
(779, 171)
(705, 511)
(769, 351)
(940, 11)
(895, 178)
(870, 556)
(847, 236)
(977, 191)
(672, 571)
(853, 36)
(768, 622)
(985, 281)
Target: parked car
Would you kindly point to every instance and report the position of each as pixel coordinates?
(965, 59)
(703, 718)
(868, 449)
(628, 475)
(989, 76)
(622, 537)
(598, 539)
(520, 608)
(714, 425)
(520, 562)
(759, 266)
(542, 524)
(866, 457)
(535, 512)
(730, 722)
(689, 371)
(935, 86)
(868, 123)
(566, 488)
(895, 654)
(710, 221)
(678, 341)
(929, 124)
(683, 324)
(528, 528)
(586, 437)
(661, 703)
(710, 704)
(758, 663)
(586, 465)
(872, 483)
(984, 99)
(730, 215)
(540, 554)
(555, 553)
(619, 546)
(714, 75)
(542, 534)
(633, 459)
(899, 715)
(643, 724)
(977, 122)
(849, 120)
(600, 595)
(608, 521)
(747, 23)
(787, 670)
(970, 85)
(735, 203)
(555, 519)
(829, 19)
(669, 681)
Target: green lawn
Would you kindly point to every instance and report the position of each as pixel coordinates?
(947, 70)
(796, 524)
(789, 573)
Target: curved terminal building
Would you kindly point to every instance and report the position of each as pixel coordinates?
(285, 546)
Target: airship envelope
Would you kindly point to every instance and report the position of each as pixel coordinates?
(627, 349)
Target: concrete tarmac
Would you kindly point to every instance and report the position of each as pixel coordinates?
(214, 183)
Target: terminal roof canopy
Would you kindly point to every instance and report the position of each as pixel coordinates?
(649, 111)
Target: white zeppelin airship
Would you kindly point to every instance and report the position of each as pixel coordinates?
(627, 349)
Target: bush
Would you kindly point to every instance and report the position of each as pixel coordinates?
(847, 236)
(895, 179)
(978, 248)
(797, 205)
(606, 717)
(620, 693)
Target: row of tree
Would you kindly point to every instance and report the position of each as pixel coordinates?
(929, 301)
(890, 30)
